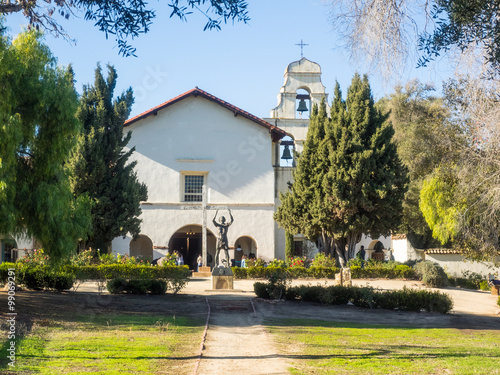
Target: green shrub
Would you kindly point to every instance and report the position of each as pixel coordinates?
(356, 272)
(177, 280)
(260, 290)
(322, 260)
(433, 301)
(498, 302)
(376, 269)
(32, 278)
(239, 272)
(136, 286)
(470, 280)
(297, 272)
(277, 282)
(4, 271)
(336, 295)
(389, 300)
(365, 297)
(306, 293)
(43, 277)
(277, 263)
(362, 296)
(322, 272)
(405, 272)
(61, 281)
(483, 285)
(157, 286)
(116, 286)
(256, 272)
(175, 277)
(431, 274)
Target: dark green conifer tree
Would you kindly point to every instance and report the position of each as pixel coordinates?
(102, 170)
(349, 180)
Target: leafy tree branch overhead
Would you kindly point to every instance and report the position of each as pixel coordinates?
(124, 19)
(390, 33)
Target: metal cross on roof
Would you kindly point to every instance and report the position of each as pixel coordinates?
(302, 45)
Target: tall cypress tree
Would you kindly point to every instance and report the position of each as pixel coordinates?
(349, 179)
(102, 170)
(366, 182)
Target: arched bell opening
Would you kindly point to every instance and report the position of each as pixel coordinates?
(303, 104)
(188, 242)
(287, 149)
(141, 248)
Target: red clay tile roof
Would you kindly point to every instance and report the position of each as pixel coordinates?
(276, 133)
(442, 251)
(398, 236)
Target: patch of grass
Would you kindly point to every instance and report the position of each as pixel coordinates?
(111, 344)
(318, 347)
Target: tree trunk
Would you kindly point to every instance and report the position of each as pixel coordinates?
(326, 244)
(340, 249)
(352, 240)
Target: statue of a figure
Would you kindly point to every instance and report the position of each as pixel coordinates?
(222, 242)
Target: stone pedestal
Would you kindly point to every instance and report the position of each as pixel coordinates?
(222, 278)
(343, 278)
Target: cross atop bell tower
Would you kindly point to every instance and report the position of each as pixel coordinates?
(301, 45)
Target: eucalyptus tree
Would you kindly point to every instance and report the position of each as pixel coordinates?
(38, 131)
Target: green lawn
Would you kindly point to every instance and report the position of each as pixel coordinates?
(318, 347)
(110, 344)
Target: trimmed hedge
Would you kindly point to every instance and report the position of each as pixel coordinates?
(403, 299)
(259, 272)
(375, 270)
(40, 278)
(383, 270)
(260, 290)
(137, 286)
(131, 271)
(44, 277)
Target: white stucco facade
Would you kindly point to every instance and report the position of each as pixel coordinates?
(232, 154)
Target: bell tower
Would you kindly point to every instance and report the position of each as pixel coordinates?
(301, 90)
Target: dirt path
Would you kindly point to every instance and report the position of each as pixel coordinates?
(237, 341)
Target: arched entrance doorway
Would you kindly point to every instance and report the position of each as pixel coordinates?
(141, 248)
(188, 242)
(248, 247)
(377, 249)
(6, 247)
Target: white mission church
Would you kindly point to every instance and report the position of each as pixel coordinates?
(198, 154)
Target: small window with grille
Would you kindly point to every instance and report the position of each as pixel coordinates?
(193, 188)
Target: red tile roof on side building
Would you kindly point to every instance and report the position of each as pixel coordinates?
(276, 133)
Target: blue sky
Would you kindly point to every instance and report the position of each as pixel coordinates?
(242, 64)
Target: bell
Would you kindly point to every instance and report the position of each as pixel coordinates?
(287, 155)
(302, 106)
